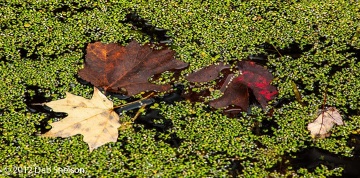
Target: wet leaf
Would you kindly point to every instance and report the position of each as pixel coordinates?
(127, 69)
(258, 79)
(324, 122)
(207, 73)
(236, 94)
(253, 78)
(93, 118)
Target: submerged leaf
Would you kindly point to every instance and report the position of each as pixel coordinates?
(93, 118)
(207, 73)
(324, 122)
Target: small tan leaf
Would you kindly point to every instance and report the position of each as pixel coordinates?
(324, 122)
(93, 118)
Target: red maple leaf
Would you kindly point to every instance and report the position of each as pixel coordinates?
(258, 79)
(235, 93)
(127, 69)
(236, 90)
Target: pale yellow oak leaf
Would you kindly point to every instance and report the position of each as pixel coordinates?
(93, 118)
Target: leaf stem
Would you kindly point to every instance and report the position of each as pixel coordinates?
(138, 113)
(276, 50)
(323, 111)
(142, 99)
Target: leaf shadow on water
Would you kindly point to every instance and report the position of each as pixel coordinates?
(152, 119)
(37, 98)
(142, 25)
(312, 157)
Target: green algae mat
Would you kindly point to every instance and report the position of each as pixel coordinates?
(309, 48)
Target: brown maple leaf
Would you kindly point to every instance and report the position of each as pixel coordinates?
(93, 118)
(117, 68)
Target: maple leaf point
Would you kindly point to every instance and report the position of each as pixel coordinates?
(93, 118)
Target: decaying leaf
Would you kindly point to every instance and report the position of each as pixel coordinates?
(254, 77)
(324, 122)
(93, 118)
(207, 73)
(258, 79)
(117, 68)
(236, 94)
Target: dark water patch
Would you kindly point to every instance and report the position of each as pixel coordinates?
(281, 166)
(156, 34)
(235, 168)
(174, 141)
(195, 96)
(116, 95)
(24, 53)
(38, 55)
(337, 68)
(311, 158)
(198, 42)
(354, 142)
(279, 103)
(175, 96)
(355, 52)
(294, 50)
(123, 142)
(261, 59)
(93, 33)
(265, 127)
(1, 124)
(352, 52)
(135, 105)
(4, 59)
(153, 120)
(33, 103)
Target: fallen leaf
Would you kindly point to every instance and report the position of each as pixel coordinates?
(253, 77)
(235, 93)
(117, 68)
(324, 122)
(93, 118)
(258, 79)
(207, 73)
